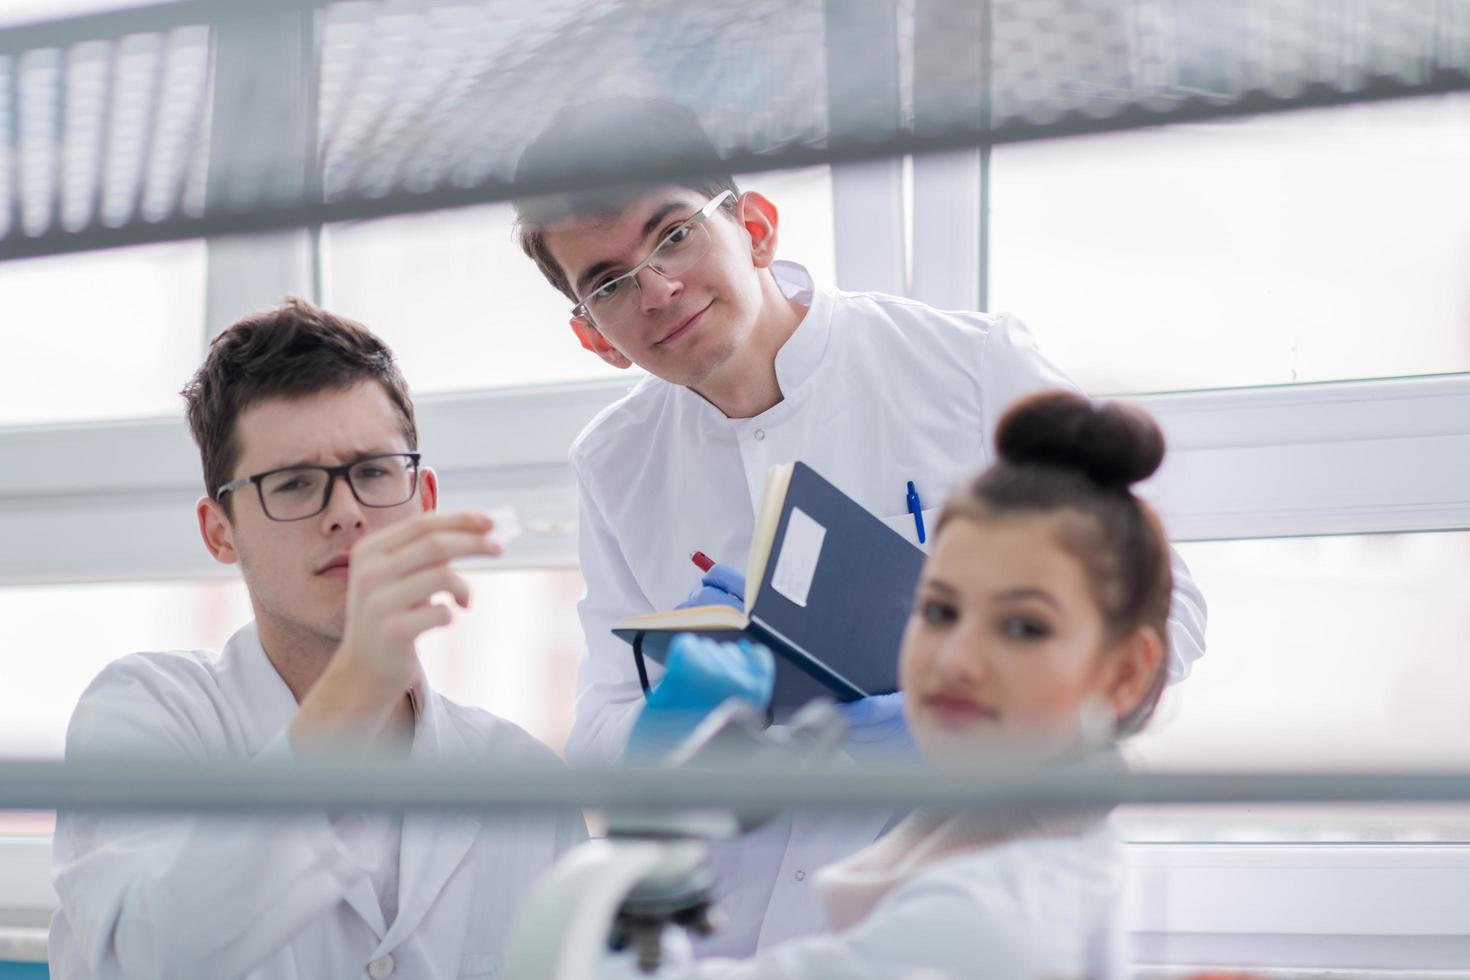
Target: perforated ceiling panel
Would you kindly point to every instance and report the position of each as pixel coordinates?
(211, 116)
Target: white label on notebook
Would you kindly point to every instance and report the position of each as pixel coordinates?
(797, 563)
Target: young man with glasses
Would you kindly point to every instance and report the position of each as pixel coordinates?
(750, 364)
(314, 489)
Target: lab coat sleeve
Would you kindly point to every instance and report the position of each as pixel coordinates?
(609, 696)
(1013, 367)
(162, 897)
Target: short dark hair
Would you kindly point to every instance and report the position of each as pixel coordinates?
(561, 149)
(1060, 453)
(292, 351)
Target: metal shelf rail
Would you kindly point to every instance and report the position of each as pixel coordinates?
(227, 787)
(209, 117)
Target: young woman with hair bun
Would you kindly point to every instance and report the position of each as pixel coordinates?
(1038, 632)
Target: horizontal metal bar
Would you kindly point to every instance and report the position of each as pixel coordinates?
(232, 787)
(596, 173)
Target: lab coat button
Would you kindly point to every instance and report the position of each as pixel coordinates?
(382, 967)
(760, 434)
(801, 876)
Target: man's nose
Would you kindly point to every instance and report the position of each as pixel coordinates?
(656, 290)
(342, 511)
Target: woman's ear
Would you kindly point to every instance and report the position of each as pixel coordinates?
(760, 218)
(1131, 668)
(594, 341)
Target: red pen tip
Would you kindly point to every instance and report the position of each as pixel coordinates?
(704, 561)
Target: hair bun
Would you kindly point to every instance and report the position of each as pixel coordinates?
(1114, 444)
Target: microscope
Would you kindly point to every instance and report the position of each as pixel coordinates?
(652, 869)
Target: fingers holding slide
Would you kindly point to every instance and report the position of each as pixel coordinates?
(394, 575)
(436, 549)
(397, 536)
(417, 589)
(410, 624)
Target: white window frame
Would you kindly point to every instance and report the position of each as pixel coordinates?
(1364, 909)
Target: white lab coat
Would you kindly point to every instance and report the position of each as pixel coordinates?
(1021, 910)
(279, 897)
(878, 391)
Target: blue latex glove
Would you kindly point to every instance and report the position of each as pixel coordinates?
(699, 676)
(722, 584)
(877, 730)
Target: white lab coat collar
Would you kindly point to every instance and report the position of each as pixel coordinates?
(433, 844)
(257, 684)
(798, 358)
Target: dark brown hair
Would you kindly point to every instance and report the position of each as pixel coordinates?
(622, 128)
(1060, 453)
(292, 351)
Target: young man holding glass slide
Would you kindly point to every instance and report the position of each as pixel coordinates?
(309, 449)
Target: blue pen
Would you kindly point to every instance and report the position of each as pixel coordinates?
(917, 509)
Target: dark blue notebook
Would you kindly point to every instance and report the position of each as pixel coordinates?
(835, 588)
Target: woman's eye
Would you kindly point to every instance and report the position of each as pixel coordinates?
(937, 613)
(1024, 628)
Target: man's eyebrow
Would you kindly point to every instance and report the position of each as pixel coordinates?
(659, 216)
(315, 459)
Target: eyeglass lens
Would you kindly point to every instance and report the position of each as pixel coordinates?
(675, 255)
(383, 481)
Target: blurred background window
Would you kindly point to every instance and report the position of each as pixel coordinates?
(513, 652)
(100, 335)
(1337, 652)
(1304, 246)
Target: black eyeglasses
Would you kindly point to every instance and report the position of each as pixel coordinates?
(294, 493)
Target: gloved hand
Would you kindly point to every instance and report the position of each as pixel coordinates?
(699, 676)
(721, 584)
(877, 730)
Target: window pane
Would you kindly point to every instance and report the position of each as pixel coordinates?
(1304, 246)
(463, 307)
(1335, 653)
(514, 652)
(63, 635)
(27, 11)
(111, 334)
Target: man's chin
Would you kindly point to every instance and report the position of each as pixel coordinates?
(698, 369)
